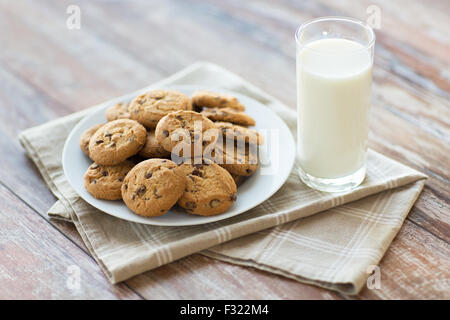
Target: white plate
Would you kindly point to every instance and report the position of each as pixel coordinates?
(256, 189)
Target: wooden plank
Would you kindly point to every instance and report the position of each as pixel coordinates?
(71, 61)
(431, 204)
(38, 262)
(428, 34)
(199, 277)
(416, 266)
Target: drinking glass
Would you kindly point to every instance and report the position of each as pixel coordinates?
(334, 76)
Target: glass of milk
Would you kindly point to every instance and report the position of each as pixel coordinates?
(334, 76)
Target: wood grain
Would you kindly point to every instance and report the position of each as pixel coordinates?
(416, 266)
(35, 260)
(49, 71)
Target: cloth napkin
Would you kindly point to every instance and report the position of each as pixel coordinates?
(328, 239)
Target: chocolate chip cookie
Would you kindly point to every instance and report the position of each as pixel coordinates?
(86, 137)
(104, 182)
(116, 141)
(207, 99)
(150, 107)
(118, 111)
(238, 179)
(186, 133)
(229, 115)
(238, 160)
(236, 132)
(152, 148)
(209, 190)
(153, 186)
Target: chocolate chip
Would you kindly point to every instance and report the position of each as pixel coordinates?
(190, 205)
(164, 161)
(180, 118)
(165, 133)
(162, 210)
(133, 197)
(233, 197)
(125, 187)
(249, 171)
(99, 141)
(108, 135)
(198, 166)
(104, 173)
(197, 173)
(94, 181)
(214, 203)
(148, 175)
(141, 190)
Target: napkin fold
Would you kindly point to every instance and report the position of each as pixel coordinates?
(332, 240)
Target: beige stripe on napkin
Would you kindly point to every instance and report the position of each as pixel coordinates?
(335, 244)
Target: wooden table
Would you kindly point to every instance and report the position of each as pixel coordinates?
(48, 71)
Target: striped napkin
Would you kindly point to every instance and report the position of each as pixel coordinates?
(326, 239)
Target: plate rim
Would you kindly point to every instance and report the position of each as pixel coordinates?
(217, 218)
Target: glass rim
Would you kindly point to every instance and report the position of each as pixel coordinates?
(362, 24)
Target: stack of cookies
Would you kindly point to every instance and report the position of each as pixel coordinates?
(164, 148)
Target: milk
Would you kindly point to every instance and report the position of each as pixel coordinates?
(334, 80)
